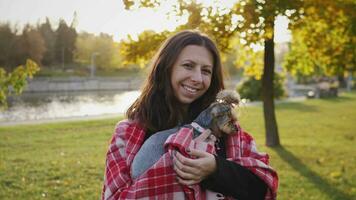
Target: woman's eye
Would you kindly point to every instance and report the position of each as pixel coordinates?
(188, 65)
(207, 71)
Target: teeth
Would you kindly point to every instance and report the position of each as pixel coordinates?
(190, 89)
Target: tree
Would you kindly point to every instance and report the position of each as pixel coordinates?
(16, 80)
(65, 43)
(32, 44)
(8, 39)
(249, 60)
(324, 40)
(140, 51)
(49, 36)
(16, 48)
(254, 20)
(103, 45)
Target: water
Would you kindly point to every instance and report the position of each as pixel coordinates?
(46, 106)
(49, 106)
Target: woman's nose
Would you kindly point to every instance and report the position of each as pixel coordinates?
(197, 76)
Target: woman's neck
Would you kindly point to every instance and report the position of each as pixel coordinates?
(185, 109)
(184, 112)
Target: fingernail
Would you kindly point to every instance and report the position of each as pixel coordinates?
(187, 150)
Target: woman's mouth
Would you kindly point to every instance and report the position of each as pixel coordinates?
(190, 89)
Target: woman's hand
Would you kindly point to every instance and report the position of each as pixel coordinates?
(192, 171)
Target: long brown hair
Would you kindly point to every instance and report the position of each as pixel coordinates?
(157, 108)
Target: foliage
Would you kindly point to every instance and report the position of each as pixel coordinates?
(323, 40)
(250, 20)
(41, 44)
(257, 25)
(142, 50)
(254, 21)
(8, 44)
(249, 60)
(103, 47)
(16, 79)
(15, 49)
(32, 43)
(199, 17)
(49, 37)
(65, 42)
(251, 88)
(66, 160)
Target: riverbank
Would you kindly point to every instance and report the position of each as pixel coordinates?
(59, 120)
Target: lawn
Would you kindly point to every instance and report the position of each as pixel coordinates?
(66, 160)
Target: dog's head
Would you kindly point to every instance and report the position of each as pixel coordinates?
(222, 112)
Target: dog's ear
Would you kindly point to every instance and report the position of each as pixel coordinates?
(228, 96)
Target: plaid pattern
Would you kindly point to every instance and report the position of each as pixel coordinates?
(159, 181)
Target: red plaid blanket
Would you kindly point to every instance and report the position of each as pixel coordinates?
(159, 182)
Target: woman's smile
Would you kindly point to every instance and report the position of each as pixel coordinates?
(190, 89)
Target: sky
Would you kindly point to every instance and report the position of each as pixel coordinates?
(107, 16)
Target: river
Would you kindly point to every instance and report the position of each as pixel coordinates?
(32, 106)
(47, 106)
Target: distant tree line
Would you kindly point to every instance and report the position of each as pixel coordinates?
(56, 48)
(42, 44)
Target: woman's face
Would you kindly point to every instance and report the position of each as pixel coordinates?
(191, 73)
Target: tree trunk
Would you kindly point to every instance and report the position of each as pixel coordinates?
(272, 137)
(342, 81)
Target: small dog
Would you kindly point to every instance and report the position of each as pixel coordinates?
(218, 117)
(222, 113)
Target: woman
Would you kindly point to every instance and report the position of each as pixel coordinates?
(186, 75)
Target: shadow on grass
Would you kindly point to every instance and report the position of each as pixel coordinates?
(322, 184)
(338, 99)
(300, 106)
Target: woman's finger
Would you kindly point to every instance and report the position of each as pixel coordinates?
(184, 175)
(184, 168)
(187, 182)
(198, 154)
(184, 160)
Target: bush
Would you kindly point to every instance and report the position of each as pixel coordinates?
(251, 88)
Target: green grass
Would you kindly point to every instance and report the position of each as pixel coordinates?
(54, 161)
(66, 160)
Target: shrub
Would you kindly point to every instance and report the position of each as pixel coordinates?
(251, 88)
